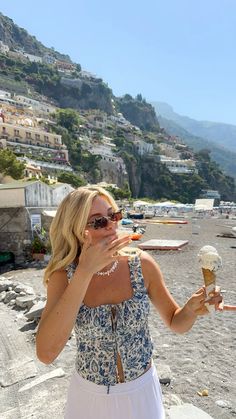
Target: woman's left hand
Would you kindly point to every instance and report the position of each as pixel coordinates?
(196, 303)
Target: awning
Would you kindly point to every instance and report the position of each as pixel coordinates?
(49, 213)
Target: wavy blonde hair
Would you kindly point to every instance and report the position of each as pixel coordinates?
(68, 227)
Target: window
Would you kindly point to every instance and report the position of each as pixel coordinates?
(16, 132)
(28, 134)
(45, 137)
(35, 220)
(37, 137)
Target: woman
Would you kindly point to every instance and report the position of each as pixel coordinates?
(104, 293)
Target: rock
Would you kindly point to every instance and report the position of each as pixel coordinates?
(164, 373)
(17, 370)
(25, 302)
(186, 411)
(171, 400)
(36, 310)
(5, 284)
(24, 288)
(222, 403)
(3, 295)
(58, 373)
(10, 295)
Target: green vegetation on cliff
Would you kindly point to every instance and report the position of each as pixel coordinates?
(138, 112)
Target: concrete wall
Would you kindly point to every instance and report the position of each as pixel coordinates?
(38, 194)
(12, 198)
(60, 192)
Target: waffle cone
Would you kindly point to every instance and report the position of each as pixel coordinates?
(209, 277)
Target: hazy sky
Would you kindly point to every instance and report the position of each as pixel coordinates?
(177, 51)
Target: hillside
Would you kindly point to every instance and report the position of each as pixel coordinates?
(224, 157)
(17, 38)
(221, 134)
(130, 123)
(138, 112)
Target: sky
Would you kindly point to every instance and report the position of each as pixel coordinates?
(181, 52)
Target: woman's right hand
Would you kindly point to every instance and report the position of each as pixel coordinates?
(94, 257)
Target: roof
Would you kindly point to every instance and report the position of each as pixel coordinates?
(16, 185)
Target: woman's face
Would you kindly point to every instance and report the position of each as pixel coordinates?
(100, 208)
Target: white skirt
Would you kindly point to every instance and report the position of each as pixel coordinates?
(136, 399)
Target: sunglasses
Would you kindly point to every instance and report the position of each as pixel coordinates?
(102, 222)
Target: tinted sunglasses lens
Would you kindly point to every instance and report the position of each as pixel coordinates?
(116, 216)
(100, 222)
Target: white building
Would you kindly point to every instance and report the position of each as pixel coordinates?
(35, 104)
(179, 166)
(48, 59)
(143, 147)
(4, 48)
(33, 58)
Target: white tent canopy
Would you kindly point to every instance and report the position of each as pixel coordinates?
(204, 204)
(141, 204)
(169, 204)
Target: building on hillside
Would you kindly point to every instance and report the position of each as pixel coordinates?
(120, 120)
(178, 166)
(32, 170)
(5, 94)
(64, 66)
(48, 59)
(36, 105)
(98, 120)
(19, 138)
(16, 55)
(4, 48)
(33, 58)
(47, 167)
(168, 150)
(143, 147)
(8, 101)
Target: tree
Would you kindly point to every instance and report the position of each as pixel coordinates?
(67, 118)
(139, 97)
(71, 178)
(9, 165)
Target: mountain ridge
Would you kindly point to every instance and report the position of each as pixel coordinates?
(217, 132)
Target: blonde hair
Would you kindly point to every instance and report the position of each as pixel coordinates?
(68, 227)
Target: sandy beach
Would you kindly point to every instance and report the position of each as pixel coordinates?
(204, 358)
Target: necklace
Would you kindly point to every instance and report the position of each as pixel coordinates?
(109, 271)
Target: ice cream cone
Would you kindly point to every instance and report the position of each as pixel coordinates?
(210, 283)
(209, 277)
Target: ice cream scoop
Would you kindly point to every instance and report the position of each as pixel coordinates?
(210, 262)
(209, 258)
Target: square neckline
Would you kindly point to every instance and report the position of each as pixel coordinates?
(121, 303)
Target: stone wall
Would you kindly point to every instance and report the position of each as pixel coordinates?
(15, 232)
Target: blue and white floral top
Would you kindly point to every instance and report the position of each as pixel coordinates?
(101, 336)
